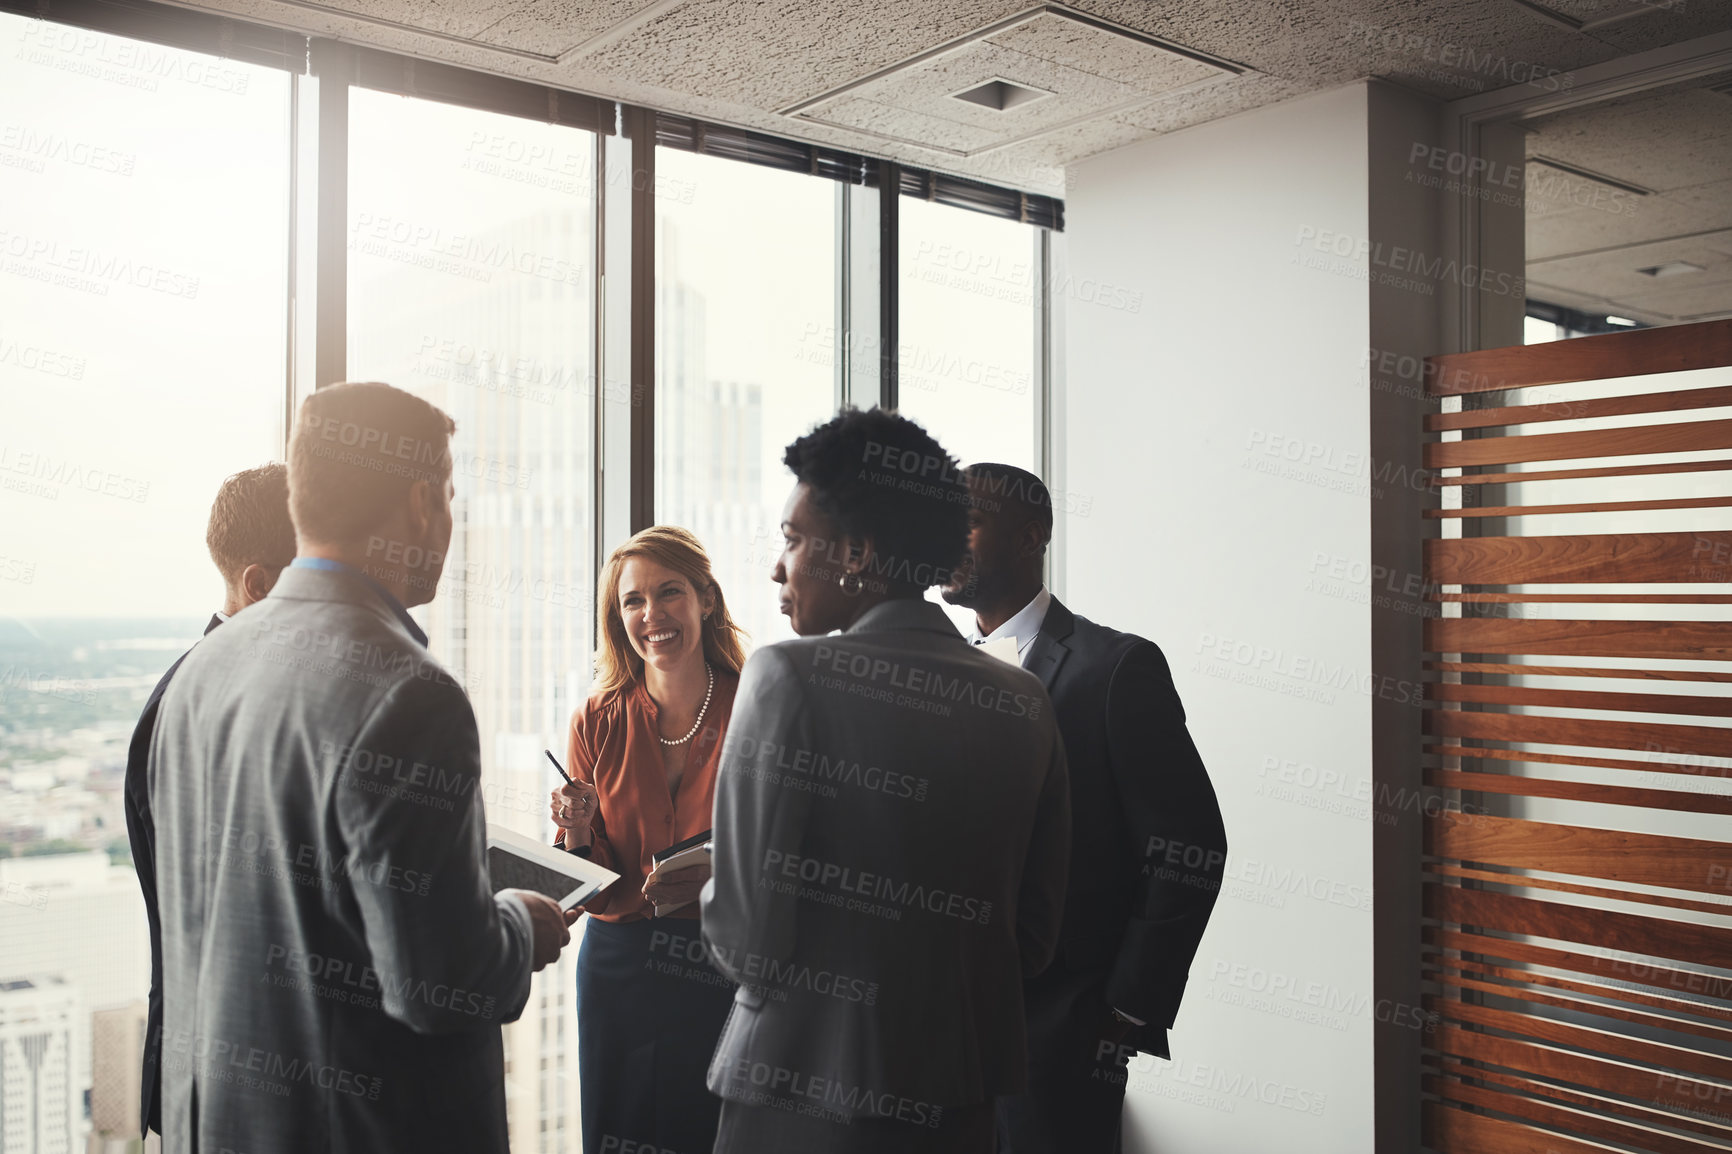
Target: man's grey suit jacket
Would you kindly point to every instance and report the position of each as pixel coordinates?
(892, 834)
(335, 964)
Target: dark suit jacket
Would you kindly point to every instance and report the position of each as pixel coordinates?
(1149, 847)
(141, 834)
(891, 838)
(335, 964)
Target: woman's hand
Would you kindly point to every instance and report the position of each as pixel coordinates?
(573, 809)
(672, 889)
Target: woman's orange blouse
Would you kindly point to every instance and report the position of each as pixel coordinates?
(614, 745)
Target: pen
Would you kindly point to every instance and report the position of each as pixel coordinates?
(558, 766)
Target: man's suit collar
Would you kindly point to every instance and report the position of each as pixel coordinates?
(905, 613)
(215, 620)
(1046, 655)
(350, 587)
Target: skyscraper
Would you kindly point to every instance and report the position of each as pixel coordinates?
(41, 1035)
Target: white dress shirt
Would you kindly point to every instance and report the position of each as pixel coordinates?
(1021, 628)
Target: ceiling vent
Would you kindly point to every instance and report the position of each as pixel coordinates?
(1000, 95)
(1670, 268)
(1590, 174)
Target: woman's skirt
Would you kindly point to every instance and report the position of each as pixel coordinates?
(650, 1009)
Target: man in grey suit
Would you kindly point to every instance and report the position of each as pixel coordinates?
(892, 828)
(335, 964)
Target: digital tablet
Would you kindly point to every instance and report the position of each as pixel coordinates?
(515, 862)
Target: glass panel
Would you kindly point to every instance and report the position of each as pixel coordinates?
(142, 360)
(471, 284)
(967, 328)
(745, 320)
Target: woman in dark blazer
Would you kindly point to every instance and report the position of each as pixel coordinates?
(643, 753)
(892, 827)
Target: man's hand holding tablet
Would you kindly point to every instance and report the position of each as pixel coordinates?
(553, 885)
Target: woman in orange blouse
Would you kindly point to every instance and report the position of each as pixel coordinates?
(643, 754)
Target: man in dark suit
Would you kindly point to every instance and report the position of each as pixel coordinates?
(251, 540)
(1148, 847)
(336, 965)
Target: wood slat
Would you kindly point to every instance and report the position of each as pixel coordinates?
(1516, 785)
(1674, 1006)
(1527, 881)
(1565, 1118)
(1586, 598)
(1456, 1066)
(1583, 1006)
(1636, 440)
(1451, 1129)
(1640, 352)
(1477, 753)
(1588, 507)
(1680, 703)
(1528, 728)
(1626, 558)
(1674, 640)
(1663, 1056)
(1590, 1070)
(1667, 938)
(1649, 470)
(1653, 975)
(1523, 670)
(1648, 859)
(1670, 402)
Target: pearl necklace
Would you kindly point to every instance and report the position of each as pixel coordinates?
(703, 709)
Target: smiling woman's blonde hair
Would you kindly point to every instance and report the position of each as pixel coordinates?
(617, 664)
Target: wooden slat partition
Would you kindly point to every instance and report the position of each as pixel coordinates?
(1577, 932)
(1691, 640)
(1613, 854)
(1597, 557)
(1603, 358)
(1678, 437)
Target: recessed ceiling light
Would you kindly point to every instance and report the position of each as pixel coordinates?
(1670, 268)
(1000, 95)
(1626, 321)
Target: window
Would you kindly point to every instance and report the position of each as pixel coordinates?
(745, 319)
(967, 327)
(471, 283)
(143, 312)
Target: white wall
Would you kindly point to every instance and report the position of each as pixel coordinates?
(1182, 417)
